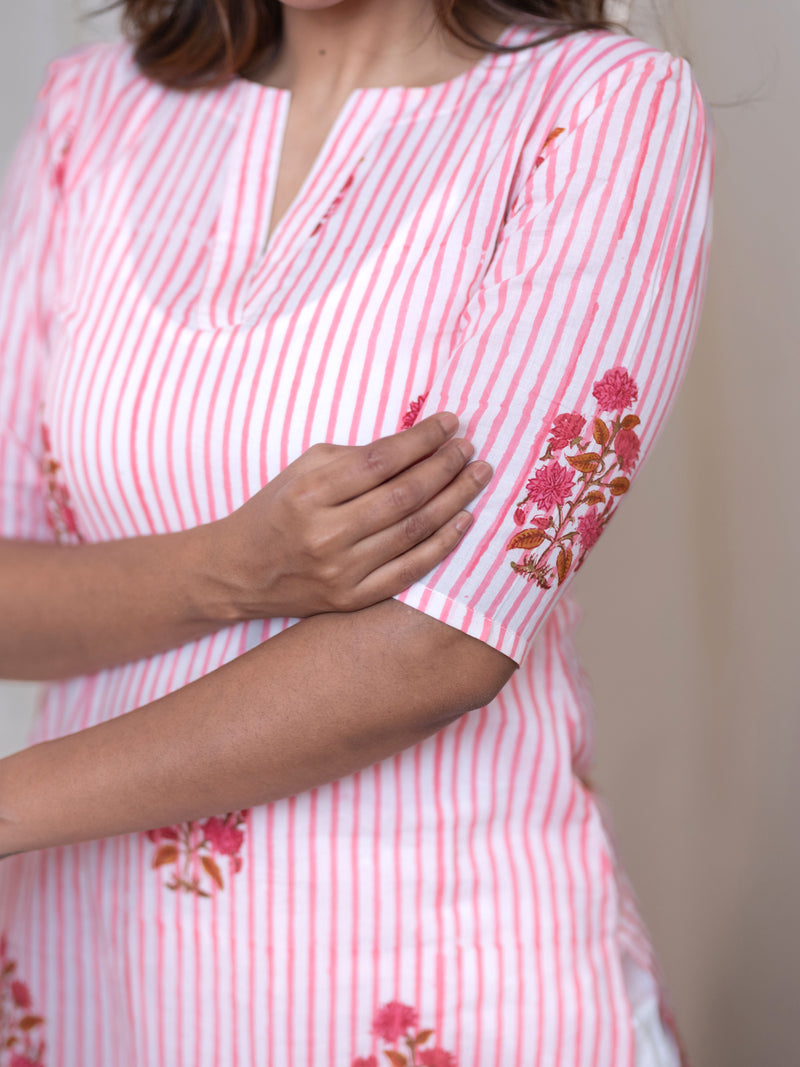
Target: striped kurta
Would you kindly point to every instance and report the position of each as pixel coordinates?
(525, 245)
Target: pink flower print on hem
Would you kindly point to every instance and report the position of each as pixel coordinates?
(223, 836)
(396, 1025)
(192, 850)
(20, 1026)
(577, 484)
(412, 414)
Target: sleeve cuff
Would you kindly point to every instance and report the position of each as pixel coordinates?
(462, 617)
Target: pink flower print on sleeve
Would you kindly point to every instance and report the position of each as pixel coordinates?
(626, 446)
(567, 430)
(578, 483)
(412, 414)
(396, 1025)
(589, 529)
(550, 486)
(60, 514)
(20, 1026)
(192, 850)
(616, 390)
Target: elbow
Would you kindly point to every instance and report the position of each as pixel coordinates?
(468, 674)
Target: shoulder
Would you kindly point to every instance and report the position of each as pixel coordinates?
(569, 78)
(583, 96)
(81, 89)
(86, 74)
(95, 104)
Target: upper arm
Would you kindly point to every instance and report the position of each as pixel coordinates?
(394, 661)
(571, 351)
(464, 673)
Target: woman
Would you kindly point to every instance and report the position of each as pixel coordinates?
(270, 225)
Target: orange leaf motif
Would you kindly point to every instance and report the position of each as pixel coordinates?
(595, 497)
(629, 422)
(585, 462)
(211, 869)
(619, 486)
(397, 1058)
(423, 1036)
(27, 1022)
(166, 854)
(552, 135)
(601, 432)
(526, 539)
(563, 563)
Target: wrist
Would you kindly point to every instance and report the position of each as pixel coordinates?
(218, 584)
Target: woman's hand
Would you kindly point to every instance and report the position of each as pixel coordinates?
(344, 527)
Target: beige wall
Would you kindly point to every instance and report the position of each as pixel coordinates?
(690, 631)
(689, 603)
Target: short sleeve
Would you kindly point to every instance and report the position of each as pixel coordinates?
(570, 353)
(29, 266)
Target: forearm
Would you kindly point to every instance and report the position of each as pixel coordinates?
(342, 527)
(330, 695)
(68, 610)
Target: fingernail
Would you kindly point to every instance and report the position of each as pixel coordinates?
(483, 471)
(466, 448)
(464, 521)
(448, 422)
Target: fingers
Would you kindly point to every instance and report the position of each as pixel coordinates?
(408, 492)
(364, 468)
(403, 571)
(422, 525)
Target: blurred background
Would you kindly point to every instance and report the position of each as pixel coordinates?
(690, 604)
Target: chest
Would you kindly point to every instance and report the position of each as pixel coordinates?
(218, 318)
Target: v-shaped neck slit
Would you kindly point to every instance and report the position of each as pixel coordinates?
(325, 153)
(250, 256)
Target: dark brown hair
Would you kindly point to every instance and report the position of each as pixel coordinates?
(189, 44)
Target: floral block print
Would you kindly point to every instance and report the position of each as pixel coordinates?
(412, 414)
(21, 1043)
(396, 1025)
(575, 490)
(196, 851)
(60, 513)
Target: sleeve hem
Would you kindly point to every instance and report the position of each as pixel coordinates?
(462, 617)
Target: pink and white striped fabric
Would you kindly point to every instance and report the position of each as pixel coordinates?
(525, 245)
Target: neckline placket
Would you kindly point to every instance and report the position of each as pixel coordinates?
(245, 268)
